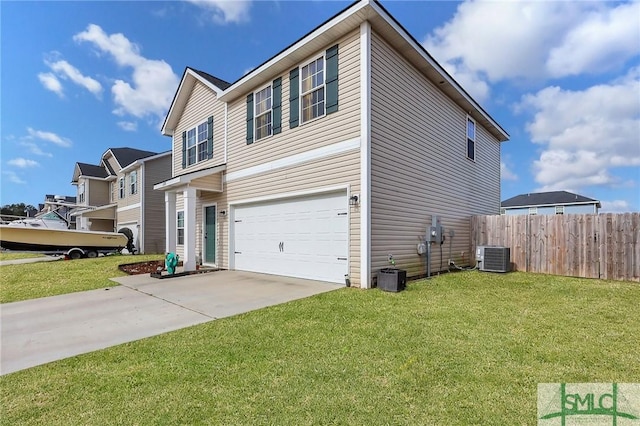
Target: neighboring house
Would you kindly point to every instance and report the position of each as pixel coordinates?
(118, 193)
(555, 202)
(63, 205)
(329, 157)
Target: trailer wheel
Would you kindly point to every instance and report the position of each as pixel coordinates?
(75, 254)
(92, 254)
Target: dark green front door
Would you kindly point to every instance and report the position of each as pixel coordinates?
(210, 234)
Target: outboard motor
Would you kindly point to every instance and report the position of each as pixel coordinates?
(130, 246)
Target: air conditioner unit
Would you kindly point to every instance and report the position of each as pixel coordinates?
(493, 258)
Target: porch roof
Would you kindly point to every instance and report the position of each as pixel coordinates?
(209, 179)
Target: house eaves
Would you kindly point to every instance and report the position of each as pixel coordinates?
(578, 203)
(180, 98)
(139, 162)
(186, 179)
(392, 31)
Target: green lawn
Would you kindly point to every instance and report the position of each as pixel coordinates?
(464, 348)
(33, 280)
(10, 255)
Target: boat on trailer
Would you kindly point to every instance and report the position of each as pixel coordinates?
(48, 233)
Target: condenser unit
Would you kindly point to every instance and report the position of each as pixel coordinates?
(493, 258)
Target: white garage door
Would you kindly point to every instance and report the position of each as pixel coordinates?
(301, 237)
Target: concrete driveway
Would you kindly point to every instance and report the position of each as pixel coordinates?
(38, 331)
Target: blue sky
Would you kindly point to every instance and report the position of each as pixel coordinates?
(563, 78)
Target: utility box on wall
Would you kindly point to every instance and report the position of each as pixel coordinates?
(391, 279)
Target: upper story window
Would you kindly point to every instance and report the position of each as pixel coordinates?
(471, 139)
(263, 113)
(121, 190)
(312, 89)
(81, 194)
(559, 209)
(533, 210)
(133, 182)
(503, 211)
(180, 227)
(197, 143)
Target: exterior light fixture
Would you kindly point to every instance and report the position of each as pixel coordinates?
(353, 200)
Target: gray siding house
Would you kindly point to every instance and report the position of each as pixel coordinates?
(554, 202)
(329, 157)
(118, 193)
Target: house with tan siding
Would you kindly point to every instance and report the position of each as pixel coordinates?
(118, 193)
(329, 157)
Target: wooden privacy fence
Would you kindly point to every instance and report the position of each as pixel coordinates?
(603, 246)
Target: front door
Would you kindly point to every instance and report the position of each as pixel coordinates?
(210, 234)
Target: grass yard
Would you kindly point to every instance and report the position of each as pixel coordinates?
(11, 255)
(33, 280)
(460, 349)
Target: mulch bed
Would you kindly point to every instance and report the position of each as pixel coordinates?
(142, 267)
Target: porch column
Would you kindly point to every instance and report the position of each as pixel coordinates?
(170, 224)
(189, 261)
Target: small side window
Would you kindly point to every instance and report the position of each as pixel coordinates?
(533, 211)
(180, 227)
(559, 209)
(471, 139)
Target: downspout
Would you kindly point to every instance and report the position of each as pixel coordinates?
(365, 155)
(141, 235)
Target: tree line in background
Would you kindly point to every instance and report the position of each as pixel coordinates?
(19, 209)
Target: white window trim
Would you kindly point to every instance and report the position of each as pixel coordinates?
(196, 145)
(122, 188)
(178, 228)
(82, 193)
(324, 87)
(533, 210)
(133, 186)
(475, 138)
(559, 210)
(255, 114)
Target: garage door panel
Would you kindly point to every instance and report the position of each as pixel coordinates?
(304, 237)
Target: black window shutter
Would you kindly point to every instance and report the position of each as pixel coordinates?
(250, 119)
(332, 79)
(184, 149)
(294, 106)
(210, 137)
(277, 106)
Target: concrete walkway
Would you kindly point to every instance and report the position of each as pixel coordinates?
(38, 331)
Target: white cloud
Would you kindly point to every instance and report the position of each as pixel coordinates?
(226, 11)
(67, 71)
(13, 177)
(49, 137)
(35, 149)
(506, 173)
(23, 163)
(128, 126)
(153, 81)
(615, 206)
(51, 82)
(494, 41)
(585, 133)
(605, 40)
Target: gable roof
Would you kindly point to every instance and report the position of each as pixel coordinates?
(189, 78)
(126, 156)
(91, 170)
(213, 80)
(552, 198)
(335, 27)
